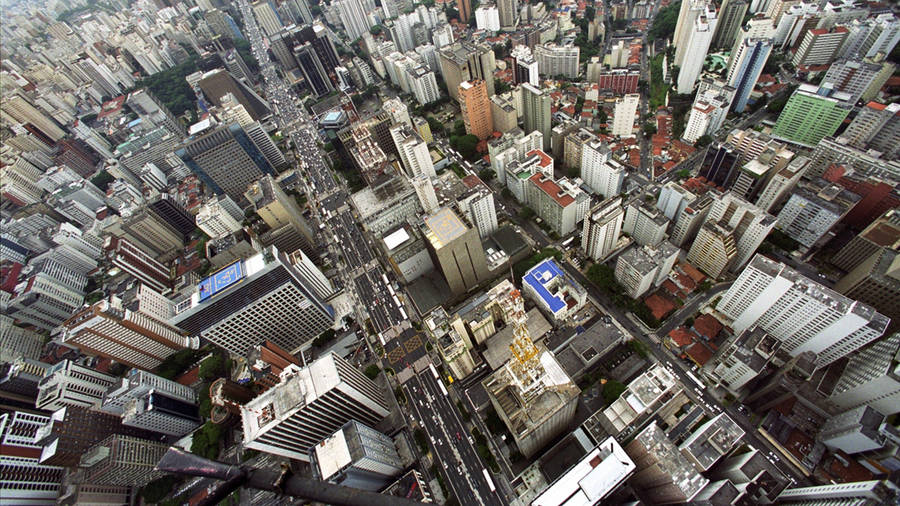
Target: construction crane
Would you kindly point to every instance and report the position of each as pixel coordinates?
(525, 366)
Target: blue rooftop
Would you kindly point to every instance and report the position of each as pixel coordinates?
(539, 277)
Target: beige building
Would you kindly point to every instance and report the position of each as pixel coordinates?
(456, 249)
(288, 229)
(713, 251)
(503, 112)
(452, 346)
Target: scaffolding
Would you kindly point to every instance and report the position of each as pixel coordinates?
(525, 366)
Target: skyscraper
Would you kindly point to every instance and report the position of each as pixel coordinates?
(870, 378)
(70, 384)
(696, 44)
(356, 456)
(748, 223)
(413, 151)
(225, 159)
(123, 460)
(713, 251)
(730, 16)
(476, 108)
(465, 61)
(267, 296)
(599, 171)
(602, 227)
(25, 479)
(820, 46)
(216, 84)
(464, 7)
(314, 72)
(536, 115)
(623, 115)
(268, 18)
(525, 67)
(876, 281)
(456, 250)
(508, 10)
(877, 126)
(800, 313)
(308, 405)
(478, 206)
(749, 54)
(810, 115)
(49, 294)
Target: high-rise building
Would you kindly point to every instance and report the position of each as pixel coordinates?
(425, 191)
(820, 46)
(601, 173)
(623, 115)
(476, 109)
(153, 112)
(115, 329)
(876, 281)
(218, 83)
(133, 260)
(853, 77)
(525, 66)
(214, 221)
(810, 116)
(267, 16)
(713, 250)
(70, 384)
(813, 209)
(356, 456)
(123, 460)
(561, 203)
(749, 225)
(781, 183)
(876, 126)
(22, 111)
(48, 295)
(25, 479)
(555, 60)
(508, 10)
(664, 474)
(800, 313)
(592, 479)
(644, 223)
(536, 112)
(884, 232)
(618, 81)
(167, 209)
(456, 250)
(639, 269)
(503, 113)
(314, 72)
(17, 342)
(870, 378)
(748, 57)
(731, 14)
(602, 228)
(478, 206)
(464, 7)
(464, 61)
(708, 113)
(308, 405)
(863, 493)
(487, 18)
(413, 151)
(267, 296)
(854, 431)
(696, 43)
(288, 229)
(225, 159)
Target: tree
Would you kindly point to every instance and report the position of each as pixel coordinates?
(375, 30)
(468, 147)
(158, 489)
(102, 180)
(703, 141)
(664, 23)
(612, 390)
(436, 126)
(573, 172)
(372, 371)
(486, 174)
(649, 129)
(604, 277)
(421, 439)
(589, 13)
(459, 128)
(500, 87)
(206, 441)
(212, 368)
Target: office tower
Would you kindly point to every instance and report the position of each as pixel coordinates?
(749, 225)
(267, 296)
(139, 383)
(876, 126)
(48, 294)
(314, 72)
(123, 254)
(813, 209)
(503, 113)
(876, 281)
(17, 342)
(781, 183)
(413, 151)
(870, 378)
(217, 83)
(464, 61)
(19, 188)
(696, 43)
(536, 112)
(532, 394)
(122, 460)
(288, 229)
(222, 24)
(308, 405)
(114, 329)
(148, 231)
(69, 384)
(525, 66)
(731, 14)
(748, 58)
(713, 250)
(478, 206)
(749, 144)
(673, 199)
(167, 208)
(862, 493)
(853, 77)
(644, 223)
(424, 84)
(214, 221)
(602, 227)
(267, 17)
(820, 46)
(810, 116)
(508, 11)
(21, 110)
(882, 233)
(476, 109)
(711, 441)
(601, 173)
(561, 203)
(800, 313)
(664, 474)
(25, 479)
(153, 112)
(225, 159)
(623, 115)
(854, 431)
(397, 110)
(640, 268)
(356, 456)
(456, 249)
(425, 192)
(555, 60)
(464, 7)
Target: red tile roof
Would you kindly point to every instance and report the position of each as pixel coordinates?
(552, 189)
(692, 271)
(707, 326)
(545, 158)
(659, 305)
(699, 354)
(681, 336)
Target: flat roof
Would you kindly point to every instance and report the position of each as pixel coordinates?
(332, 454)
(593, 478)
(220, 280)
(541, 275)
(443, 227)
(396, 238)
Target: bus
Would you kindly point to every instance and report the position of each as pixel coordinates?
(567, 242)
(433, 371)
(443, 390)
(487, 478)
(694, 379)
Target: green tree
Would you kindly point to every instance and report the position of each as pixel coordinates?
(589, 13)
(205, 442)
(703, 141)
(375, 30)
(500, 87)
(612, 390)
(102, 180)
(212, 368)
(486, 174)
(372, 371)
(158, 489)
(664, 23)
(468, 147)
(421, 439)
(459, 128)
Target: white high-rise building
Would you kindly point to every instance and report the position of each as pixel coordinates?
(556, 60)
(425, 191)
(354, 18)
(423, 84)
(602, 227)
(215, 221)
(268, 17)
(644, 223)
(601, 173)
(800, 313)
(397, 110)
(356, 456)
(696, 44)
(70, 384)
(673, 198)
(749, 223)
(487, 18)
(710, 108)
(860, 492)
(871, 378)
(151, 402)
(308, 405)
(623, 115)
(478, 206)
(413, 152)
(48, 296)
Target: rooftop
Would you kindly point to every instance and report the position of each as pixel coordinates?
(552, 189)
(443, 227)
(593, 478)
(711, 441)
(541, 278)
(670, 461)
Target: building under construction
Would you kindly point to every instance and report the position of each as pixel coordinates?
(532, 393)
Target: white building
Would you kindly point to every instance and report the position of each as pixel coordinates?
(709, 111)
(478, 206)
(308, 405)
(554, 291)
(802, 314)
(600, 172)
(555, 60)
(268, 18)
(623, 115)
(855, 431)
(356, 456)
(644, 223)
(425, 191)
(749, 223)
(861, 492)
(871, 378)
(70, 384)
(696, 44)
(423, 84)
(602, 227)
(641, 268)
(354, 17)
(413, 151)
(215, 221)
(48, 295)
(17, 342)
(591, 479)
(487, 18)
(673, 199)
(562, 204)
(813, 210)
